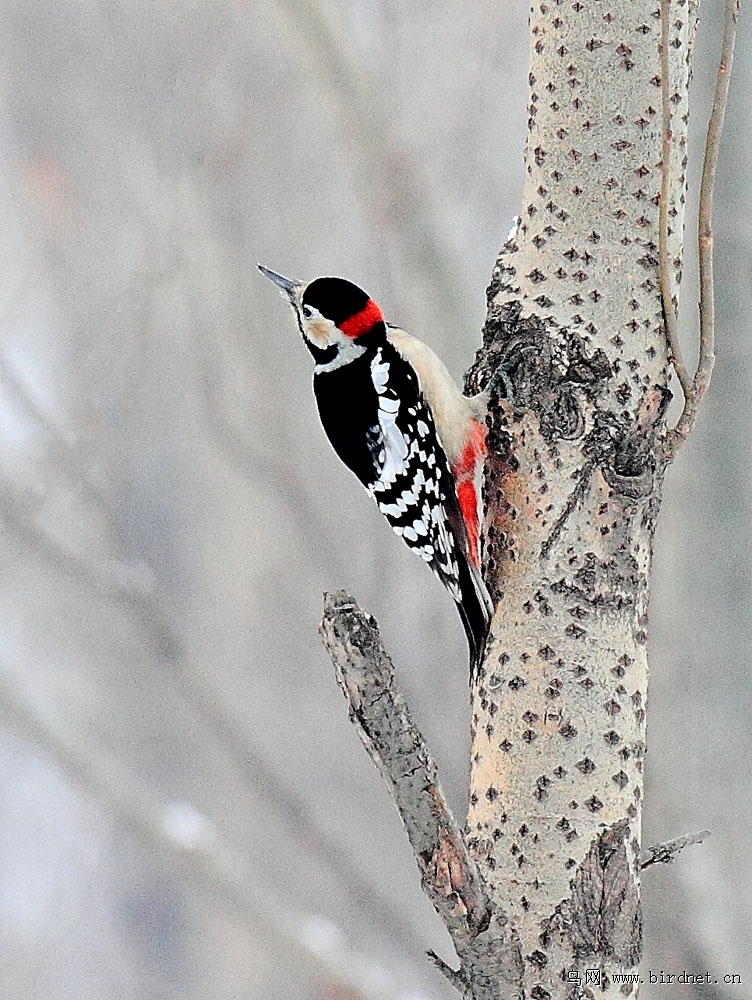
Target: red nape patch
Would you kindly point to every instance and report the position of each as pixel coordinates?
(363, 321)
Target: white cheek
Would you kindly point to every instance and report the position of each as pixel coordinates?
(321, 333)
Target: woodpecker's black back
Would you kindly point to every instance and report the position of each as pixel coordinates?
(381, 427)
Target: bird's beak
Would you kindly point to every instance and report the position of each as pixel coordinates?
(287, 287)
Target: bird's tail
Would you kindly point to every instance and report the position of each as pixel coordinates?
(475, 608)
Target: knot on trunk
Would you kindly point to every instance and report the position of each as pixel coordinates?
(538, 369)
(602, 916)
(551, 372)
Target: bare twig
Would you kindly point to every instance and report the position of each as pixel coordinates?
(701, 381)
(669, 310)
(665, 853)
(193, 845)
(446, 970)
(378, 710)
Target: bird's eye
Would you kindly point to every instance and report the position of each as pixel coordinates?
(307, 312)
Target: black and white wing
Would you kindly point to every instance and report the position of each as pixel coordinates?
(415, 490)
(413, 486)
(380, 425)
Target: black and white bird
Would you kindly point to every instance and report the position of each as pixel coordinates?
(395, 417)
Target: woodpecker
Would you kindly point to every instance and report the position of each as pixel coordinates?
(395, 417)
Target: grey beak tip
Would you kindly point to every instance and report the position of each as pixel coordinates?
(286, 285)
(265, 271)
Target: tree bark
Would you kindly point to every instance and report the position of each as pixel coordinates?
(573, 489)
(572, 493)
(573, 481)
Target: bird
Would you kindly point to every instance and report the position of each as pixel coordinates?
(396, 419)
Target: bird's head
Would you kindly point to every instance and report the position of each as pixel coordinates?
(338, 320)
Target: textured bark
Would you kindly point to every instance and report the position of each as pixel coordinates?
(573, 488)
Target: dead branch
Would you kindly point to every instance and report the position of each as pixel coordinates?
(699, 386)
(378, 711)
(665, 853)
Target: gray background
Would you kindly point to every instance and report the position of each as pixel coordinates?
(171, 512)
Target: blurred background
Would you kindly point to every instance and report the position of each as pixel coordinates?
(185, 810)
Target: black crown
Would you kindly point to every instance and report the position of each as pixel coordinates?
(335, 298)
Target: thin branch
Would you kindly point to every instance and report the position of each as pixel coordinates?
(707, 187)
(706, 360)
(669, 310)
(665, 853)
(379, 713)
(193, 845)
(446, 970)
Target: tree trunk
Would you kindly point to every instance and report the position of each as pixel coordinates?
(573, 488)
